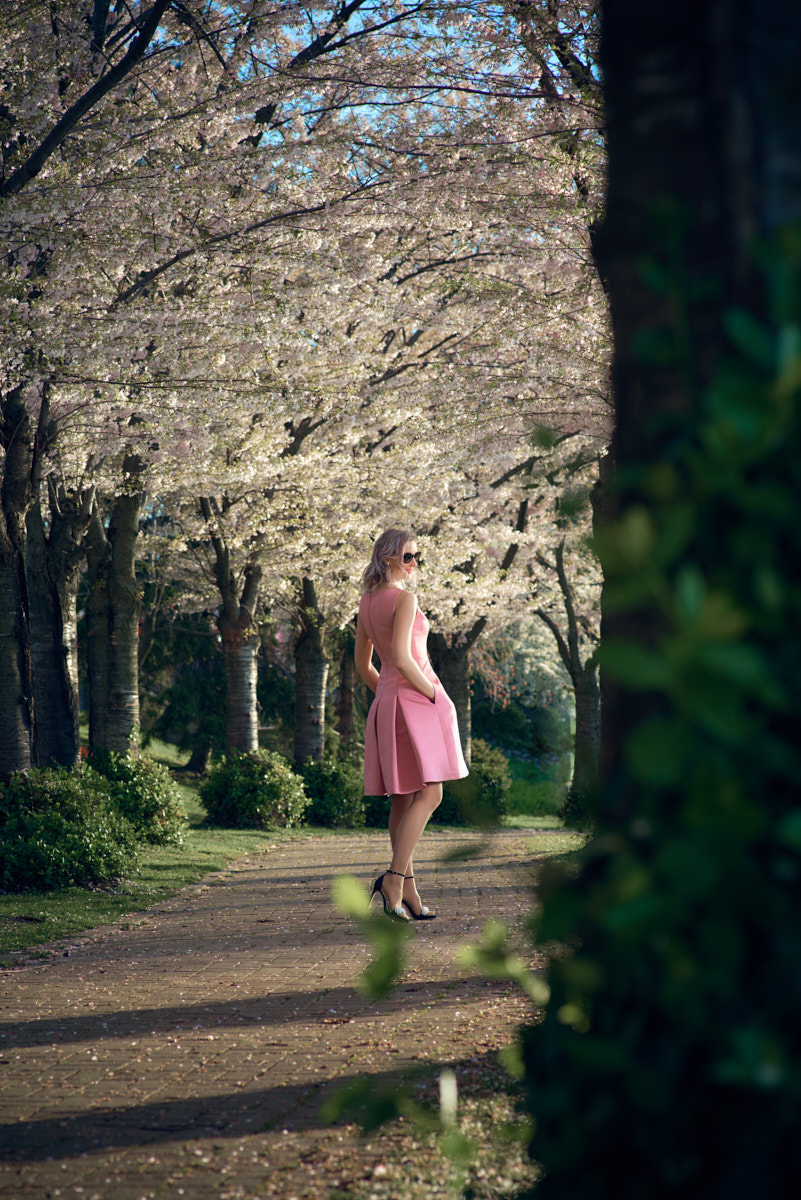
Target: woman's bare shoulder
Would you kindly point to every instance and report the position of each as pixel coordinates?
(406, 602)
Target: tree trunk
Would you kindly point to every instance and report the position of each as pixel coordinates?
(583, 677)
(240, 642)
(587, 695)
(54, 557)
(16, 696)
(311, 674)
(679, 991)
(715, 95)
(199, 760)
(112, 619)
(451, 660)
(52, 582)
(17, 437)
(345, 692)
(240, 638)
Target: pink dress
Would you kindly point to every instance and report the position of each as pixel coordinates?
(409, 740)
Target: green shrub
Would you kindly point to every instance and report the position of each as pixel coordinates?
(61, 829)
(145, 795)
(535, 798)
(480, 799)
(508, 726)
(576, 811)
(336, 793)
(254, 791)
(376, 811)
(521, 729)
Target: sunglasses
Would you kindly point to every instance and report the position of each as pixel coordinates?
(407, 558)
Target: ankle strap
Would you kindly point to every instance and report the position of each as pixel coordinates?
(408, 877)
(389, 871)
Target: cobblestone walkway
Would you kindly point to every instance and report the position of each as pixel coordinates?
(185, 1050)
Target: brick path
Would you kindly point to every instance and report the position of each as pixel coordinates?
(185, 1050)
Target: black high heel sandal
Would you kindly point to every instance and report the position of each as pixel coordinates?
(398, 913)
(424, 914)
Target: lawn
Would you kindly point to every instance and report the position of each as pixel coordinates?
(29, 919)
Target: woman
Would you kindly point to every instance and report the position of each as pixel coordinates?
(412, 739)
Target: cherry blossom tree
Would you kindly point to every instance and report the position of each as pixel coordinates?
(260, 208)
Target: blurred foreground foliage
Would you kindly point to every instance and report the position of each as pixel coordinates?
(672, 1028)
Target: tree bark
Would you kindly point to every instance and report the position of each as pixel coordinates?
(112, 618)
(311, 675)
(451, 660)
(16, 695)
(700, 767)
(345, 691)
(240, 643)
(53, 561)
(240, 639)
(587, 744)
(18, 436)
(584, 678)
(710, 80)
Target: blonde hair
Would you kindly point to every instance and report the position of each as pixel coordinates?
(389, 545)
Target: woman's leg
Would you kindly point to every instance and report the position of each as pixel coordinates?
(411, 821)
(399, 808)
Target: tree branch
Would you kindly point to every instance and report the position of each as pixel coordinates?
(31, 168)
(564, 652)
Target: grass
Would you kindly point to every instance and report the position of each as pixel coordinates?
(534, 793)
(525, 821)
(29, 919)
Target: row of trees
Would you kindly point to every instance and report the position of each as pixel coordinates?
(276, 279)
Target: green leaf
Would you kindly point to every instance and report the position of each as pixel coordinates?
(653, 752)
(634, 666)
(458, 1148)
(350, 896)
(492, 958)
(789, 830)
(754, 339)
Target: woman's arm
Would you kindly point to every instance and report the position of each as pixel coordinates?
(363, 657)
(402, 645)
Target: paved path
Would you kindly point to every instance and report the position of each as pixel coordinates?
(185, 1050)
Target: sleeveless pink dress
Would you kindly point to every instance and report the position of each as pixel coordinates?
(409, 740)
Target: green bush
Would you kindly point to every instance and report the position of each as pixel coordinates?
(61, 829)
(376, 811)
(575, 811)
(535, 798)
(145, 795)
(521, 729)
(254, 791)
(480, 799)
(336, 794)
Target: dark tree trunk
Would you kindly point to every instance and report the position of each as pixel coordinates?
(54, 558)
(19, 439)
(16, 696)
(311, 675)
(112, 625)
(200, 759)
(587, 745)
(680, 988)
(345, 691)
(704, 157)
(51, 609)
(450, 657)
